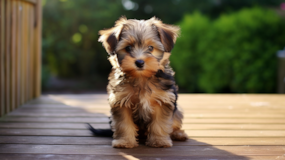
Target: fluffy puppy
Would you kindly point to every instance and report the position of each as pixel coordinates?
(142, 91)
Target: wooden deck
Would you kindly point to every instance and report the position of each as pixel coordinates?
(235, 127)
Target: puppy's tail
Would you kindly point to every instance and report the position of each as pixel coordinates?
(100, 132)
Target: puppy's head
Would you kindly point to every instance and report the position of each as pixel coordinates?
(139, 47)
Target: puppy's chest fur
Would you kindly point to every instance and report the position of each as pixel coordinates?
(141, 95)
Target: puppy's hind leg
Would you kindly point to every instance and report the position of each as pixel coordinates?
(178, 134)
(125, 130)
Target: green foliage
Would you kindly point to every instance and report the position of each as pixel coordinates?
(234, 53)
(70, 33)
(172, 11)
(187, 52)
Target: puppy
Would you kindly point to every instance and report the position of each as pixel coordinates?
(142, 91)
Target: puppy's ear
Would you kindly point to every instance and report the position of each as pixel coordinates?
(110, 37)
(167, 33)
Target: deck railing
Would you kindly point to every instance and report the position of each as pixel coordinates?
(20, 52)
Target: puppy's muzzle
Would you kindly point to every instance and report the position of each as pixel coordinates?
(139, 63)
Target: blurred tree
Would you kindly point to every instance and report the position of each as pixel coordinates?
(70, 34)
(172, 11)
(70, 31)
(188, 51)
(234, 53)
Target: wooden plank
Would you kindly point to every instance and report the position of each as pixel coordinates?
(197, 98)
(107, 141)
(55, 110)
(62, 113)
(123, 156)
(197, 104)
(276, 115)
(27, 59)
(225, 111)
(241, 141)
(32, 52)
(234, 126)
(38, 48)
(41, 110)
(51, 125)
(59, 120)
(13, 55)
(235, 133)
(229, 97)
(8, 55)
(55, 140)
(58, 115)
(232, 104)
(191, 133)
(106, 125)
(230, 107)
(22, 47)
(98, 105)
(145, 151)
(59, 140)
(2, 57)
(186, 121)
(102, 107)
(187, 108)
(19, 57)
(60, 157)
(263, 101)
(62, 97)
(44, 100)
(47, 106)
(24, 53)
(61, 106)
(234, 121)
(45, 132)
(107, 111)
(83, 113)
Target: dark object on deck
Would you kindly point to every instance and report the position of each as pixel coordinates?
(100, 132)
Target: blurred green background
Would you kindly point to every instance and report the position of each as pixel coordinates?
(226, 46)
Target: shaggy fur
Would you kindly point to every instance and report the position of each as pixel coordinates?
(142, 96)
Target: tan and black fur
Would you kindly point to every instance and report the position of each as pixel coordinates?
(142, 91)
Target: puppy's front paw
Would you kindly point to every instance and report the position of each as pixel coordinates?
(179, 135)
(159, 143)
(122, 143)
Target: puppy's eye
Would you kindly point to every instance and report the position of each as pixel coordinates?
(150, 48)
(128, 48)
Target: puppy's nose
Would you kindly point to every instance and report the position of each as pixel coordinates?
(139, 63)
